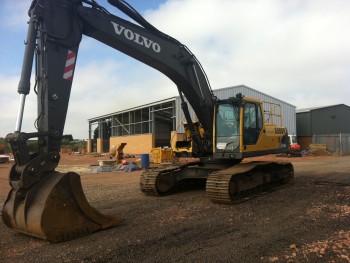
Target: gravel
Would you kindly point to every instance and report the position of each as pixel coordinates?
(304, 222)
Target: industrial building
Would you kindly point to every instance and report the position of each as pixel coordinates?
(156, 124)
(324, 125)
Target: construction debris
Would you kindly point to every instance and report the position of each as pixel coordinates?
(126, 167)
(318, 150)
(4, 158)
(117, 152)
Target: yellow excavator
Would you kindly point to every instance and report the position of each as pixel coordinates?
(240, 130)
(51, 205)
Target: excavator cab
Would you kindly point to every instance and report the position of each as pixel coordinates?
(241, 130)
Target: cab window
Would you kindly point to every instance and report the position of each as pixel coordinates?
(252, 123)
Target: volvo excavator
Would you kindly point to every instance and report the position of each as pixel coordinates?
(51, 205)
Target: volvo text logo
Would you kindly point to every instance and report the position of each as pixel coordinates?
(132, 36)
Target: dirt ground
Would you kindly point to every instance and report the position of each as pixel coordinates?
(308, 221)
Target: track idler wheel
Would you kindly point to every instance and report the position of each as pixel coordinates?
(54, 209)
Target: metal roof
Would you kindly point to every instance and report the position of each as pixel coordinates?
(318, 108)
(132, 109)
(254, 90)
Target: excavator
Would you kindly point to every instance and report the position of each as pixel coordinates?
(51, 205)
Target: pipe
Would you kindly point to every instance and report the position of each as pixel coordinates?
(22, 100)
(24, 83)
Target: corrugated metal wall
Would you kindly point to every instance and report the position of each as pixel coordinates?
(288, 110)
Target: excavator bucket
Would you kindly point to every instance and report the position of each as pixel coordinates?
(54, 209)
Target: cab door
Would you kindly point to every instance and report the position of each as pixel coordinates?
(252, 123)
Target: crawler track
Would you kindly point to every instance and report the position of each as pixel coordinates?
(231, 185)
(160, 181)
(148, 182)
(247, 180)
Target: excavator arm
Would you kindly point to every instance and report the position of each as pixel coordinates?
(57, 28)
(51, 205)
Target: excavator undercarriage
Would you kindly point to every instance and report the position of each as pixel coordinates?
(225, 183)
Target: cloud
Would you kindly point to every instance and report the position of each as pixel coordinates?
(283, 48)
(15, 14)
(295, 50)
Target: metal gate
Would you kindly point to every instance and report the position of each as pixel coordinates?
(336, 143)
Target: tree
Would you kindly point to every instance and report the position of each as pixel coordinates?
(4, 146)
(66, 139)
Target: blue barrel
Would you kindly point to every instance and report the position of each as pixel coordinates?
(145, 161)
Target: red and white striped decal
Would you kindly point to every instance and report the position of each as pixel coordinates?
(70, 65)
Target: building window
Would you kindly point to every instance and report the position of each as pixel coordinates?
(131, 123)
(139, 121)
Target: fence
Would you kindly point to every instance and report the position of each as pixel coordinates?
(336, 143)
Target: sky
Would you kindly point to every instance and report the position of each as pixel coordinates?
(297, 51)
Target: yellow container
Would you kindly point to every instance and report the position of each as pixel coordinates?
(160, 155)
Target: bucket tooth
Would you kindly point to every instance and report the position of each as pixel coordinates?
(54, 209)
